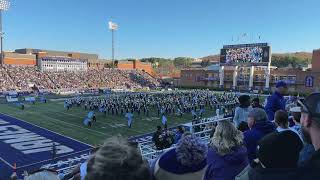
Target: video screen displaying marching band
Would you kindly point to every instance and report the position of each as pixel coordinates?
(245, 54)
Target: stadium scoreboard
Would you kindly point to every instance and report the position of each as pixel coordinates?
(257, 54)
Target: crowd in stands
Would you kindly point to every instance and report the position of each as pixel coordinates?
(282, 148)
(6, 82)
(24, 78)
(246, 54)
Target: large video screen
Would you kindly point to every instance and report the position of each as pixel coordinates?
(245, 54)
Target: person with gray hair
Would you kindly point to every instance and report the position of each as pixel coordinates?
(117, 159)
(227, 155)
(43, 174)
(259, 127)
(187, 161)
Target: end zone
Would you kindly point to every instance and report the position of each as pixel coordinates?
(30, 147)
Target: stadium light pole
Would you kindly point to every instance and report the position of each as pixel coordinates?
(4, 6)
(113, 27)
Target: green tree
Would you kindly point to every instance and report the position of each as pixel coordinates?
(182, 62)
(285, 61)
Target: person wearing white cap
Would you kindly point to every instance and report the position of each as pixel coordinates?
(308, 148)
(296, 115)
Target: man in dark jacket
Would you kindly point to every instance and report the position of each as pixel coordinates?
(156, 138)
(259, 127)
(310, 126)
(276, 101)
(278, 155)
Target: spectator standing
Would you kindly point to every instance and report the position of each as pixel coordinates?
(296, 115)
(156, 138)
(188, 161)
(307, 149)
(227, 155)
(278, 155)
(310, 126)
(259, 127)
(179, 133)
(276, 101)
(282, 121)
(241, 113)
(256, 103)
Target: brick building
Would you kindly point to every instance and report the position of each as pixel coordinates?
(12, 58)
(233, 77)
(316, 60)
(34, 57)
(207, 78)
(135, 64)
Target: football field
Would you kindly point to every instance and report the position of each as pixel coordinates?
(53, 116)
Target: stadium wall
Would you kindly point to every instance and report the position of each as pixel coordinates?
(316, 60)
(76, 55)
(19, 59)
(136, 64)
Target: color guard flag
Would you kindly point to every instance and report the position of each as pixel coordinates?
(129, 116)
(90, 114)
(164, 120)
(86, 121)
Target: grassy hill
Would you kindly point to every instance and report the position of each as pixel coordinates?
(299, 55)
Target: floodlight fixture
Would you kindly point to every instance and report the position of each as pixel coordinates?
(113, 27)
(4, 5)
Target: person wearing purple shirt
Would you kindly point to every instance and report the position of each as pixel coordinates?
(227, 155)
(276, 101)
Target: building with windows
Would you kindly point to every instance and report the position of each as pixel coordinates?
(299, 81)
(252, 76)
(57, 64)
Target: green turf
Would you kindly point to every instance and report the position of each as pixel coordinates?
(55, 117)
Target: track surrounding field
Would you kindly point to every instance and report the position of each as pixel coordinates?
(55, 117)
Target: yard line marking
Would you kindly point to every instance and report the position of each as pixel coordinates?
(7, 163)
(51, 158)
(100, 122)
(46, 129)
(78, 126)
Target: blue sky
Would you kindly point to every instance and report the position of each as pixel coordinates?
(161, 28)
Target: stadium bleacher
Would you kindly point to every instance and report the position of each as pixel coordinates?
(26, 78)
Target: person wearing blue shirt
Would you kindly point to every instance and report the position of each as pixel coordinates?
(241, 113)
(276, 101)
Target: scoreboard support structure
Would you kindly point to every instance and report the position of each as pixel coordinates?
(251, 77)
(267, 87)
(235, 77)
(221, 76)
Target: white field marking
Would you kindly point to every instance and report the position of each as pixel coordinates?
(111, 124)
(78, 126)
(7, 163)
(47, 129)
(70, 124)
(51, 158)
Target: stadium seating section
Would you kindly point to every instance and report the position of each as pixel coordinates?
(24, 78)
